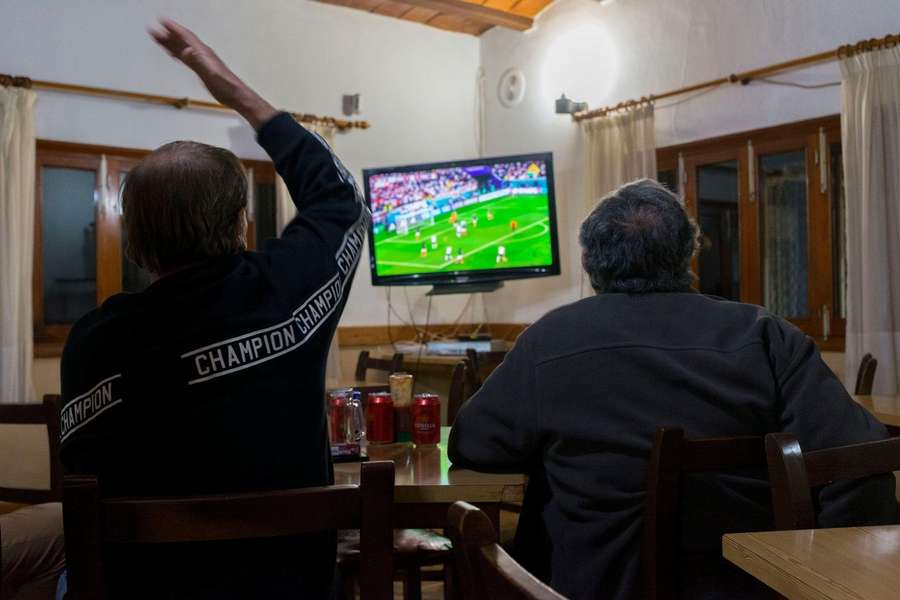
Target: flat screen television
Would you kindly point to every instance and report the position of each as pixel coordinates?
(463, 226)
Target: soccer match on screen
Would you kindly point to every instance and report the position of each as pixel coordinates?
(476, 217)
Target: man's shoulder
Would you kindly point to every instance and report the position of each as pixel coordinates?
(664, 320)
(114, 310)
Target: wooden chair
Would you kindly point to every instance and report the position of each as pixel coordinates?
(795, 473)
(865, 375)
(366, 362)
(481, 362)
(457, 395)
(47, 414)
(92, 522)
(671, 458)
(486, 571)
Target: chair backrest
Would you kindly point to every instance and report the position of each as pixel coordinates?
(486, 571)
(92, 522)
(671, 458)
(47, 414)
(794, 473)
(457, 395)
(480, 363)
(366, 362)
(865, 375)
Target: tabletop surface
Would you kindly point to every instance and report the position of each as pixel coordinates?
(424, 474)
(885, 408)
(852, 562)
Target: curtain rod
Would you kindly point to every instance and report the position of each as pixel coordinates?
(748, 76)
(69, 88)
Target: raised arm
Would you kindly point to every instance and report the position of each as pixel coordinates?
(222, 83)
(331, 212)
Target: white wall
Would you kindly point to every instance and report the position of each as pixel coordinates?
(621, 49)
(417, 83)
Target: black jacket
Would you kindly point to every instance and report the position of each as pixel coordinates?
(578, 399)
(212, 380)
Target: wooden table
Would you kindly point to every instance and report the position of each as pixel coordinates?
(426, 484)
(853, 562)
(885, 408)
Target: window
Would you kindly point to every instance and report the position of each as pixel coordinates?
(770, 205)
(79, 250)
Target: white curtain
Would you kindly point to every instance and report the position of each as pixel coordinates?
(618, 148)
(284, 212)
(17, 156)
(870, 124)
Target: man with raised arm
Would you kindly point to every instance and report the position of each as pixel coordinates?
(212, 380)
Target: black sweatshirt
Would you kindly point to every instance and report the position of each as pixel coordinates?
(577, 401)
(212, 380)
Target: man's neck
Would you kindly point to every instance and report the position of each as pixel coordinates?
(154, 277)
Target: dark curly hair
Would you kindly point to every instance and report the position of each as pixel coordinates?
(639, 240)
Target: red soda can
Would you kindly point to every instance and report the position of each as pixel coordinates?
(426, 417)
(337, 403)
(380, 418)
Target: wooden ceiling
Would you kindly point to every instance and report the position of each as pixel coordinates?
(465, 16)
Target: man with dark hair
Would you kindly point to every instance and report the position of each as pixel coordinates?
(212, 380)
(577, 401)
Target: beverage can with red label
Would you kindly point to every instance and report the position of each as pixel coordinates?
(380, 418)
(337, 404)
(426, 417)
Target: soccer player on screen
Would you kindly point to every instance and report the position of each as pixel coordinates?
(434, 242)
(501, 254)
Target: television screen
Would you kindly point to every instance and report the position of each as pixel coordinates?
(487, 219)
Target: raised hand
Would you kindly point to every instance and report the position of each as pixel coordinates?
(222, 83)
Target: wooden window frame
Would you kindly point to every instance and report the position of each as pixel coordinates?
(790, 136)
(49, 339)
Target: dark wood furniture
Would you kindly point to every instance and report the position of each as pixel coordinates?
(92, 522)
(458, 393)
(366, 362)
(794, 473)
(482, 364)
(865, 375)
(426, 485)
(486, 571)
(672, 457)
(47, 414)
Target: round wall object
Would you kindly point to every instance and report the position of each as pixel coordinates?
(511, 89)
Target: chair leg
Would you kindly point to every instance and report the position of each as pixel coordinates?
(450, 590)
(412, 584)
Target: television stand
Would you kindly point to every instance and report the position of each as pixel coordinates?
(479, 287)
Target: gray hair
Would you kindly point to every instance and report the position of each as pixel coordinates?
(639, 240)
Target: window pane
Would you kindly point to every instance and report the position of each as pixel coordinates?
(668, 179)
(782, 193)
(717, 211)
(69, 243)
(838, 232)
(134, 278)
(265, 213)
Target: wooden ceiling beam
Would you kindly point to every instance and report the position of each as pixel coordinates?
(476, 12)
